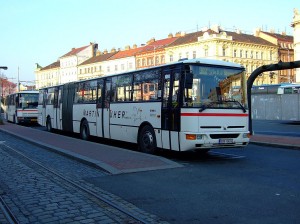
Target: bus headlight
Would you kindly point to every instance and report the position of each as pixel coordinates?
(246, 135)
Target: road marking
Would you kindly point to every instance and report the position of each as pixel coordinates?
(230, 156)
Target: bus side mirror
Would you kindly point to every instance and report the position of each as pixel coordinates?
(188, 81)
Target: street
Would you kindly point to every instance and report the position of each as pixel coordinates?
(262, 187)
(257, 184)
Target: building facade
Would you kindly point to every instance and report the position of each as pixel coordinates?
(285, 53)
(251, 51)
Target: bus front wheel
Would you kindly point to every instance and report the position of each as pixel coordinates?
(147, 140)
(84, 130)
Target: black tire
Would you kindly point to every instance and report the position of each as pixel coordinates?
(84, 130)
(147, 140)
(48, 124)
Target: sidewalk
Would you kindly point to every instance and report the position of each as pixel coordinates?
(112, 159)
(276, 141)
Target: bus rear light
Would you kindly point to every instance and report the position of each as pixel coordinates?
(191, 137)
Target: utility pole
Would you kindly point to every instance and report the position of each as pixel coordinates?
(1, 121)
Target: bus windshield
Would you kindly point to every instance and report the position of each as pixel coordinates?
(216, 87)
(28, 100)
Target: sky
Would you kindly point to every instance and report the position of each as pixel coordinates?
(35, 31)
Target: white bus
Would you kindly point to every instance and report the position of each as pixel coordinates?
(187, 105)
(21, 107)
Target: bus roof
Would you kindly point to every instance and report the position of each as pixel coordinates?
(210, 62)
(25, 91)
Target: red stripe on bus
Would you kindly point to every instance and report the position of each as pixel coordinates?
(212, 115)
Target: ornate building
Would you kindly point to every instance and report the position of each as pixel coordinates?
(285, 52)
(247, 50)
(48, 75)
(65, 69)
(153, 53)
(251, 51)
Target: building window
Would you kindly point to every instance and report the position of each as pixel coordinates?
(130, 65)
(162, 59)
(205, 52)
(179, 56)
(262, 55)
(144, 62)
(246, 54)
(108, 69)
(122, 67)
(241, 53)
(194, 54)
(116, 67)
(187, 54)
(271, 55)
(235, 53)
(157, 60)
(224, 52)
(149, 61)
(171, 57)
(256, 55)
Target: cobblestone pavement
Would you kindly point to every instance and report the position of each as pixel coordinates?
(33, 197)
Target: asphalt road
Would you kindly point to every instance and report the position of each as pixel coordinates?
(285, 128)
(255, 185)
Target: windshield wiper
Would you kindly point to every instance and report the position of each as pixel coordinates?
(238, 103)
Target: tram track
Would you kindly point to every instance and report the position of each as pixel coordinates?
(115, 211)
(7, 213)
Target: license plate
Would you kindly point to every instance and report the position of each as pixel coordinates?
(225, 141)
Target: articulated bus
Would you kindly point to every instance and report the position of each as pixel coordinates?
(21, 107)
(196, 104)
(282, 88)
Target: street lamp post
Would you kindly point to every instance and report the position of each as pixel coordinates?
(1, 121)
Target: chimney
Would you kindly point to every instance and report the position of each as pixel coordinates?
(151, 41)
(105, 51)
(170, 35)
(113, 50)
(127, 47)
(178, 34)
(216, 28)
(134, 46)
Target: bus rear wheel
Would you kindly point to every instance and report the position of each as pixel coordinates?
(147, 140)
(84, 130)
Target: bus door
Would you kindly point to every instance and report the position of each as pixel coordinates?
(100, 108)
(42, 107)
(56, 107)
(67, 106)
(170, 121)
(106, 108)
